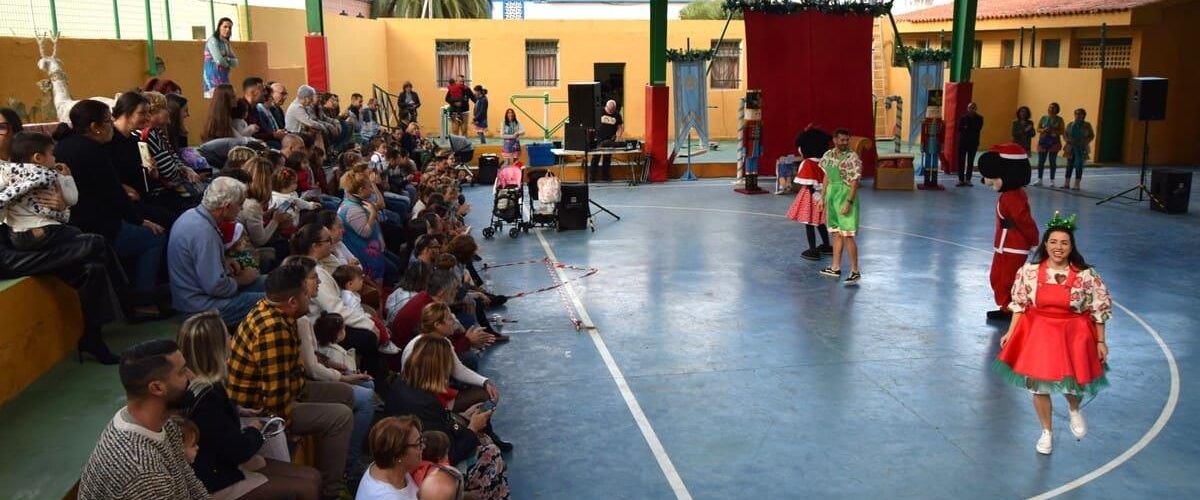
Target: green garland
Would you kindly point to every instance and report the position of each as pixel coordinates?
(919, 54)
(866, 8)
(689, 55)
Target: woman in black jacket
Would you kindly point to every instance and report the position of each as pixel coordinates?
(409, 103)
(227, 463)
(423, 391)
(104, 208)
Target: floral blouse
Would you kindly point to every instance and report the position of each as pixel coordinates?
(849, 165)
(1088, 293)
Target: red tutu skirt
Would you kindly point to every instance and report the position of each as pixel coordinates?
(1053, 352)
(804, 209)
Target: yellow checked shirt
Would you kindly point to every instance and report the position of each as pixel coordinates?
(264, 367)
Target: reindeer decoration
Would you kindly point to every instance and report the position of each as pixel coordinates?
(58, 78)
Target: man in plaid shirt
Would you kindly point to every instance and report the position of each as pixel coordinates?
(265, 375)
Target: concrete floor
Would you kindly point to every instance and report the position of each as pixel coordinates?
(755, 378)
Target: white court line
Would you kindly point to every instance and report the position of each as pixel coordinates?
(1163, 417)
(656, 447)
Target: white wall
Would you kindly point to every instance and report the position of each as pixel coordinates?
(94, 18)
(598, 10)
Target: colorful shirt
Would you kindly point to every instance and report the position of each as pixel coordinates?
(264, 365)
(847, 163)
(1089, 295)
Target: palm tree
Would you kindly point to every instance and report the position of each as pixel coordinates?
(445, 9)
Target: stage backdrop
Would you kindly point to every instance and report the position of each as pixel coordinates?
(811, 68)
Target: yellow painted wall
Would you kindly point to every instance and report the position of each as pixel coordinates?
(42, 322)
(107, 67)
(996, 93)
(1169, 49)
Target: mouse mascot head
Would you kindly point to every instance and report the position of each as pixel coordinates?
(1005, 167)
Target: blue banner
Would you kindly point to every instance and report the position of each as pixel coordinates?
(926, 76)
(690, 91)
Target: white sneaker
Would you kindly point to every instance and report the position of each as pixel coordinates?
(1045, 443)
(1037, 182)
(1078, 425)
(389, 348)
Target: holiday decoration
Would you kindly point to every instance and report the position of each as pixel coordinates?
(869, 8)
(52, 65)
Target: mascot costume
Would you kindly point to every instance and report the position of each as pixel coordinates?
(1006, 169)
(812, 144)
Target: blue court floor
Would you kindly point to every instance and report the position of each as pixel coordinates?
(722, 366)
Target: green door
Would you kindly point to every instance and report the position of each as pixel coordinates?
(1112, 120)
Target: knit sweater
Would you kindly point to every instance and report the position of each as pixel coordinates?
(133, 462)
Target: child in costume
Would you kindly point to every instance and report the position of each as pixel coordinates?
(238, 247)
(843, 170)
(1056, 341)
(1005, 167)
(812, 144)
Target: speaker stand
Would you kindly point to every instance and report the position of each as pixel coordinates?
(587, 180)
(1142, 191)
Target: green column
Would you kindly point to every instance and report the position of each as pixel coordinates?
(249, 29)
(316, 18)
(117, 19)
(658, 42)
(963, 43)
(212, 15)
(167, 9)
(53, 18)
(150, 42)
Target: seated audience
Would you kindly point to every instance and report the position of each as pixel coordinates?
(396, 449)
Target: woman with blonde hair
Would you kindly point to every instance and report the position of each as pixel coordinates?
(262, 225)
(426, 375)
(227, 462)
(396, 449)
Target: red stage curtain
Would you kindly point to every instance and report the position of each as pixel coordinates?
(811, 68)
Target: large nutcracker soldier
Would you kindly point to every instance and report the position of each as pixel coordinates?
(750, 146)
(1006, 169)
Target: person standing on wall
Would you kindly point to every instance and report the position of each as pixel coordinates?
(969, 127)
(410, 101)
(458, 96)
(218, 57)
(479, 118)
(610, 129)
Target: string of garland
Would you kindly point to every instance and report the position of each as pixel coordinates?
(866, 8)
(925, 54)
(689, 55)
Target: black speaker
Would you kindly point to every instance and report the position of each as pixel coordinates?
(1149, 99)
(573, 207)
(583, 104)
(488, 166)
(1170, 190)
(578, 137)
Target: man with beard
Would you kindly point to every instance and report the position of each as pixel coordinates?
(140, 453)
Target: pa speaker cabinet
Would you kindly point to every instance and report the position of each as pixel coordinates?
(573, 206)
(583, 103)
(578, 137)
(488, 166)
(1170, 190)
(1149, 99)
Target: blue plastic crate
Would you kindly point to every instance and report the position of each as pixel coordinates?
(540, 155)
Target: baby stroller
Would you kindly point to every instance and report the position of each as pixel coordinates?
(463, 151)
(508, 204)
(544, 195)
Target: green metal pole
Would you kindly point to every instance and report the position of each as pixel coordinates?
(315, 16)
(658, 42)
(53, 18)
(167, 8)
(963, 41)
(117, 19)
(212, 15)
(249, 29)
(150, 42)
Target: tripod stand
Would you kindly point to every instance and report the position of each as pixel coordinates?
(587, 174)
(1141, 186)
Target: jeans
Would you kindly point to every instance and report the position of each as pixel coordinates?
(1075, 162)
(145, 250)
(364, 415)
(967, 157)
(238, 306)
(1042, 163)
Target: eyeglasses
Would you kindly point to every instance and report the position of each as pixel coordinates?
(420, 443)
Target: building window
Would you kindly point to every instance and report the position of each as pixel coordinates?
(726, 65)
(453, 59)
(1050, 53)
(199, 32)
(1007, 53)
(978, 54)
(541, 63)
(1118, 53)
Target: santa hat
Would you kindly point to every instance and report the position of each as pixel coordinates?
(231, 232)
(1010, 151)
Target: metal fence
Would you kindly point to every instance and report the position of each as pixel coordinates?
(122, 19)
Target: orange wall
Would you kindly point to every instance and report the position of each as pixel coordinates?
(107, 67)
(998, 90)
(1169, 51)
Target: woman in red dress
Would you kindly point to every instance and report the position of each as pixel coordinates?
(1055, 343)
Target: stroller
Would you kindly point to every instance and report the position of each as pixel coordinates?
(463, 151)
(508, 205)
(544, 193)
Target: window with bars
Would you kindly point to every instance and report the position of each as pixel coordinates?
(1118, 53)
(453, 59)
(541, 63)
(1050, 53)
(977, 54)
(1007, 53)
(726, 65)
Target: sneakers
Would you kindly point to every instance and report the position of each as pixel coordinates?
(811, 254)
(854, 279)
(389, 348)
(1078, 425)
(1038, 182)
(831, 272)
(1045, 444)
